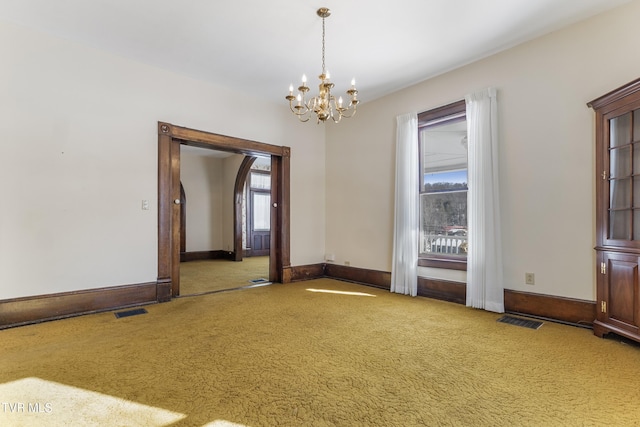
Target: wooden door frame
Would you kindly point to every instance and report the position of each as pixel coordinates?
(170, 137)
(241, 178)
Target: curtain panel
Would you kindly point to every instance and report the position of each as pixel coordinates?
(404, 272)
(485, 289)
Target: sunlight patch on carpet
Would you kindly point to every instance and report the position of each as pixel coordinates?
(34, 401)
(330, 291)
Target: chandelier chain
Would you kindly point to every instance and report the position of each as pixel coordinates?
(323, 67)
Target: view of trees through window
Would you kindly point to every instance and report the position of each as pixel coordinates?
(444, 209)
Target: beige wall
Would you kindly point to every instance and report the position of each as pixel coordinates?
(546, 136)
(79, 154)
(203, 183)
(209, 184)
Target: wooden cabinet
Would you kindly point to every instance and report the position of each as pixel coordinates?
(618, 211)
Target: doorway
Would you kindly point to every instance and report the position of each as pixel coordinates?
(258, 201)
(170, 138)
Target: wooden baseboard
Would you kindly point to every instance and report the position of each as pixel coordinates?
(26, 310)
(443, 290)
(202, 255)
(566, 310)
(379, 279)
(303, 272)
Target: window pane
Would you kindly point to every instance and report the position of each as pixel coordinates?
(444, 150)
(260, 181)
(443, 219)
(620, 224)
(620, 130)
(620, 165)
(620, 193)
(261, 211)
(445, 181)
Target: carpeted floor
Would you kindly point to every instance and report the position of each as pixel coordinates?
(316, 353)
(197, 277)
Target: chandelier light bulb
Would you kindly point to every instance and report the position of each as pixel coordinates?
(323, 105)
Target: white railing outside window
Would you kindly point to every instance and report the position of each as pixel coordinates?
(440, 244)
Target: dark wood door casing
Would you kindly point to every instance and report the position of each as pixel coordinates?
(241, 178)
(170, 137)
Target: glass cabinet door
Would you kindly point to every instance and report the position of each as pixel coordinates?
(624, 176)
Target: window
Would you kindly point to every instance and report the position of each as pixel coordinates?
(443, 187)
(260, 200)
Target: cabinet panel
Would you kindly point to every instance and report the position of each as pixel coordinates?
(621, 295)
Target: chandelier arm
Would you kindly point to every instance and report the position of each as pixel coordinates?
(348, 116)
(302, 113)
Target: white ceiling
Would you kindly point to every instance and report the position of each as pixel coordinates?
(263, 46)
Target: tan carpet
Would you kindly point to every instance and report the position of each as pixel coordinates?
(284, 355)
(197, 277)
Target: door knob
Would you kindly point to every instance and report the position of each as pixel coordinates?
(275, 205)
(176, 201)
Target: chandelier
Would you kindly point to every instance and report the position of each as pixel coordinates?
(323, 105)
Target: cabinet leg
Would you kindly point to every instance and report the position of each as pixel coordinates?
(599, 331)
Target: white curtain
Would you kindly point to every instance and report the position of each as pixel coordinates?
(485, 287)
(404, 272)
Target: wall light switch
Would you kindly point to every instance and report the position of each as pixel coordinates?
(145, 205)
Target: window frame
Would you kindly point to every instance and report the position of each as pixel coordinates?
(440, 114)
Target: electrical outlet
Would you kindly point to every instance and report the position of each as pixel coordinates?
(529, 278)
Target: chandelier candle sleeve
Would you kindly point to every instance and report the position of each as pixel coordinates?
(324, 105)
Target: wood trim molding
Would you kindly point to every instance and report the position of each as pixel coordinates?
(238, 189)
(443, 111)
(170, 137)
(616, 95)
(448, 263)
(304, 272)
(183, 219)
(566, 310)
(232, 144)
(203, 255)
(379, 279)
(27, 310)
(444, 290)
